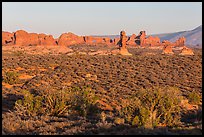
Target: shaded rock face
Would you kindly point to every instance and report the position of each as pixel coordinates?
(67, 39)
(122, 44)
(7, 38)
(186, 51)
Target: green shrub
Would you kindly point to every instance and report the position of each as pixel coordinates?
(85, 101)
(11, 77)
(153, 106)
(29, 105)
(160, 106)
(194, 98)
(57, 102)
(80, 100)
(128, 109)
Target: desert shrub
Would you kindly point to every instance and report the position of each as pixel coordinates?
(159, 106)
(152, 107)
(29, 105)
(11, 77)
(80, 100)
(129, 107)
(84, 100)
(194, 98)
(57, 102)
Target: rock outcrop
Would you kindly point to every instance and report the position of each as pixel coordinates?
(116, 41)
(186, 51)
(167, 47)
(46, 40)
(7, 38)
(88, 39)
(107, 40)
(123, 44)
(67, 39)
(33, 39)
(132, 40)
(152, 41)
(98, 40)
(180, 42)
(21, 38)
(141, 38)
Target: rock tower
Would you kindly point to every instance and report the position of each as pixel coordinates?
(122, 44)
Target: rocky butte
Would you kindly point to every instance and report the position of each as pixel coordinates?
(23, 38)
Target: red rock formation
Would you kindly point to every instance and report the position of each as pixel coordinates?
(41, 38)
(116, 41)
(152, 41)
(107, 40)
(24, 38)
(98, 40)
(141, 38)
(167, 47)
(88, 39)
(7, 38)
(21, 38)
(132, 40)
(46, 40)
(186, 51)
(67, 39)
(33, 39)
(123, 44)
(180, 42)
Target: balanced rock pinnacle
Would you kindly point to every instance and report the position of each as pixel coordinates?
(122, 44)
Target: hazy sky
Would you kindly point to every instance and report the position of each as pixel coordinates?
(101, 18)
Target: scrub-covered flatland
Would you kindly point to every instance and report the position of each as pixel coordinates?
(71, 91)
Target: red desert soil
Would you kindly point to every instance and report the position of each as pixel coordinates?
(112, 77)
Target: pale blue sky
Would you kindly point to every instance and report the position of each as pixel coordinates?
(101, 18)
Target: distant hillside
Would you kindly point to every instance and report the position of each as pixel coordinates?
(193, 37)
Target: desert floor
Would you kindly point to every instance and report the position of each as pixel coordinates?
(112, 77)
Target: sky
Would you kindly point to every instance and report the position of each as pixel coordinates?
(101, 18)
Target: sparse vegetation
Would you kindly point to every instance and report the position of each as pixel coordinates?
(153, 107)
(83, 94)
(194, 98)
(82, 100)
(11, 77)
